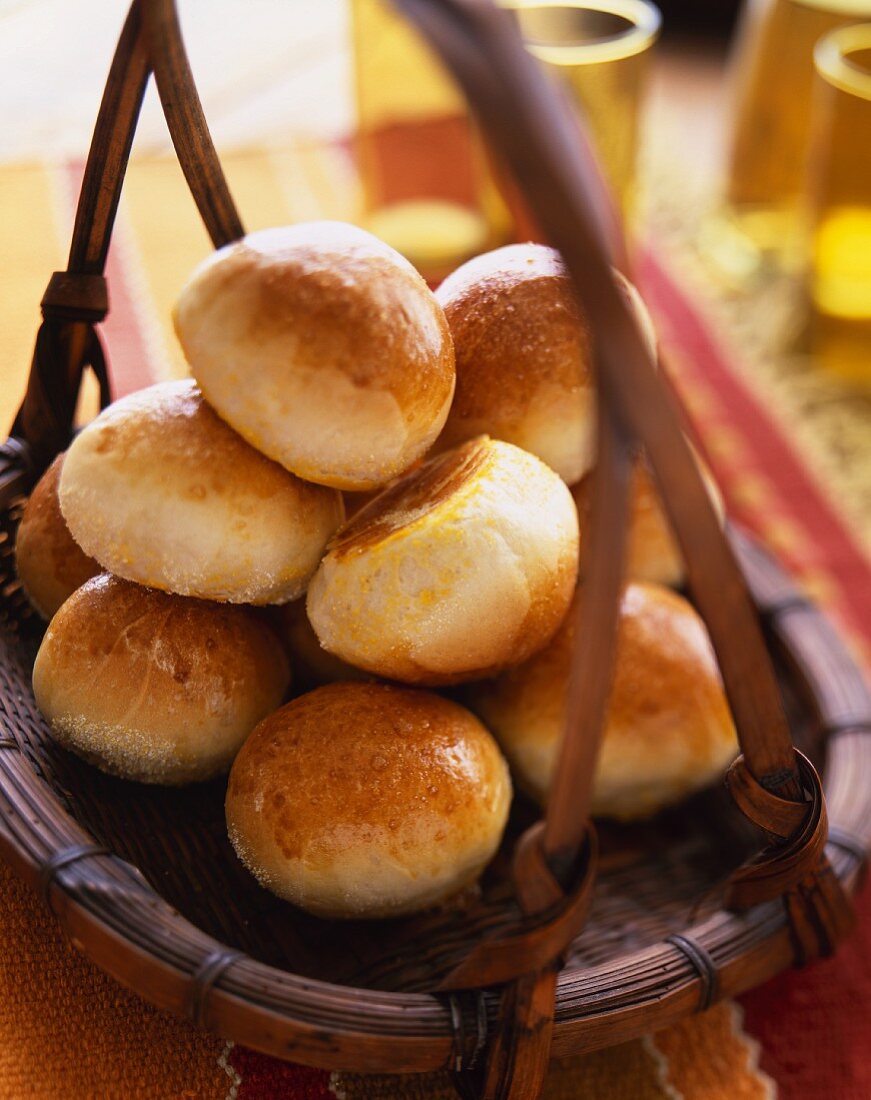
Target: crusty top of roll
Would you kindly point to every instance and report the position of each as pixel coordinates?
(523, 350)
(323, 347)
(367, 799)
(51, 565)
(463, 567)
(520, 342)
(153, 686)
(161, 491)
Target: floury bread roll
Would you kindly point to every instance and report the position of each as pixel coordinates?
(460, 569)
(652, 553)
(324, 348)
(155, 687)
(50, 563)
(364, 800)
(162, 492)
(669, 731)
(523, 356)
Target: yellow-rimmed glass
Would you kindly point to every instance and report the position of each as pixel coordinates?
(839, 202)
(759, 227)
(599, 51)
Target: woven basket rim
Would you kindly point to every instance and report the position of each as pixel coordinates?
(182, 969)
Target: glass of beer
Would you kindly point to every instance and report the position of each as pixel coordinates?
(758, 230)
(427, 187)
(838, 178)
(599, 52)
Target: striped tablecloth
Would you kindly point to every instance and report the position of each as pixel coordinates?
(68, 1031)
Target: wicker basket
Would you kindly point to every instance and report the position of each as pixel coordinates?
(577, 942)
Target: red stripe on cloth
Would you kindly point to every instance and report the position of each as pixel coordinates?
(814, 1025)
(828, 548)
(130, 364)
(265, 1078)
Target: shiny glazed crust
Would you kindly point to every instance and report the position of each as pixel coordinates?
(464, 567)
(368, 800)
(162, 492)
(669, 731)
(523, 352)
(155, 687)
(324, 348)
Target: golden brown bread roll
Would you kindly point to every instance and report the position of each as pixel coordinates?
(652, 553)
(462, 568)
(669, 730)
(162, 492)
(522, 352)
(312, 664)
(324, 348)
(156, 687)
(366, 800)
(50, 563)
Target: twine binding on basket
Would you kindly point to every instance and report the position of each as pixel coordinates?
(66, 857)
(704, 966)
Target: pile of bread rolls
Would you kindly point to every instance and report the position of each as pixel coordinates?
(383, 489)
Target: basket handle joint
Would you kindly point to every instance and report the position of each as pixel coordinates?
(794, 865)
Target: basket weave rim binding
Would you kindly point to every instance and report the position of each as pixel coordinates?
(504, 1009)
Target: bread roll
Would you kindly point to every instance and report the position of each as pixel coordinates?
(652, 553)
(50, 563)
(161, 491)
(365, 800)
(312, 664)
(462, 568)
(155, 687)
(523, 356)
(668, 732)
(324, 348)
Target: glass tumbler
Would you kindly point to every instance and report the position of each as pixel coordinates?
(759, 226)
(838, 189)
(599, 51)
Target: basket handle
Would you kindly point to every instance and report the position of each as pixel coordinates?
(76, 299)
(187, 123)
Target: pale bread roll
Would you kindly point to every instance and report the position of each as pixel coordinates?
(50, 563)
(365, 800)
(669, 731)
(324, 348)
(162, 492)
(155, 687)
(523, 356)
(464, 567)
(652, 552)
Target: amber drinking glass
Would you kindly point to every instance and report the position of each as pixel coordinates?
(600, 52)
(759, 226)
(839, 203)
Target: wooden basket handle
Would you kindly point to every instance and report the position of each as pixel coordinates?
(187, 123)
(76, 299)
